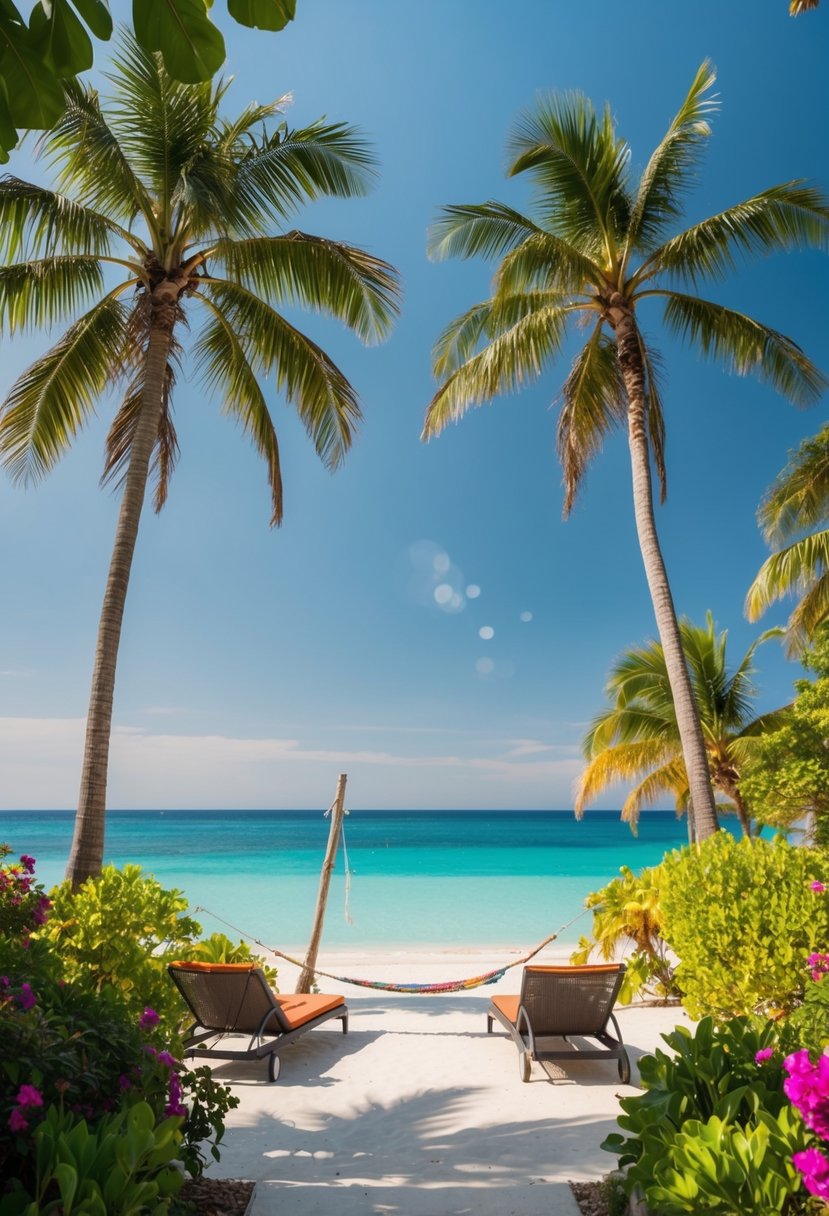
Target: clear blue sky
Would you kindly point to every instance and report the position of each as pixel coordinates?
(257, 664)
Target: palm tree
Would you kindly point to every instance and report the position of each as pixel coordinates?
(637, 737)
(596, 248)
(162, 216)
(797, 503)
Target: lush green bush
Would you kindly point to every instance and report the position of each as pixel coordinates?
(743, 918)
(627, 912)
(714, 1131)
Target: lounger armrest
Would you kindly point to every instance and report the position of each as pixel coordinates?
(524, 1017)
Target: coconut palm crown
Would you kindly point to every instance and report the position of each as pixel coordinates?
(796, 510)
(637, 739)
(162, 219)
(596, 247)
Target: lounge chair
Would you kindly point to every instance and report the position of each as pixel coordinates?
(557, 1002)
(236, 999)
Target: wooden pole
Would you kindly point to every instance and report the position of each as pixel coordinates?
(306, 977)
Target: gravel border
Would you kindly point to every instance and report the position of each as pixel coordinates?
(215, 1196)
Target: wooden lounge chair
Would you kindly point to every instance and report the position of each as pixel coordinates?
(235, 999)
(557, 1002)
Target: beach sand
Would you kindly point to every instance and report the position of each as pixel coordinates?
(417, 1110)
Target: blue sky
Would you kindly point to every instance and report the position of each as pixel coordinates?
(256, 664)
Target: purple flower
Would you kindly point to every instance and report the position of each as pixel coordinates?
(27, 1095)
(765, 1053)
(814, 1166)
(17, 1123)
(148, 1019)
(819, 964)
(124, 1082)
(818, 887)
(175, 1106)
(27, 862)
(807, 1088)
(26, 998)
(167, 1060)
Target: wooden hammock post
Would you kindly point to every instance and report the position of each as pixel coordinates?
(306, 977)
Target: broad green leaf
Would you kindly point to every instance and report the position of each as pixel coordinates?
(60, 38)
(34, 93)
(192, 47)
(8, 132)
(262, 14)
(97, 16)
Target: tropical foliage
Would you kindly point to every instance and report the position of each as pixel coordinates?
(788, 779)
(637, 738)
(794, 516)
(37, 58)
(597, 248)
(162, 220)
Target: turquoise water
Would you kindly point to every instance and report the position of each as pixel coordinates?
(451, 878)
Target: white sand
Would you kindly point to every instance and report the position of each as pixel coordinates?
(417, 1110)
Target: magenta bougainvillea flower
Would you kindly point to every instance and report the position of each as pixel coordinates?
(28, 1095)
(765, 1053)
(807, 1088)
(26, 998)
(17, 1122)
(175, 1106)
(819, 964)
(814, 1166)
(148, 1019)
(817, 886)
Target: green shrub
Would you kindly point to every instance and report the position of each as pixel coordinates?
(743, 919)
(627, 912)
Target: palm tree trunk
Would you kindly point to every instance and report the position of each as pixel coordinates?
(687, 716)
(87, 853)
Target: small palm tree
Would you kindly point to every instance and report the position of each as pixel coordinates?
(797, 503)
(597, 250)
(163, 216)
(637, 738)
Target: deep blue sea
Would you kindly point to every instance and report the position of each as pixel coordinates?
(473, 878)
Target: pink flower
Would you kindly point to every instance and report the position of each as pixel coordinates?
(819, 964)
(814, 1166)
(26, 998)
(818, 887)
(148, 1019)
(27, 1095)
(17, 1123)
(166, 1059)
(807, 1088)
(765, 1053)
(124, 1082)
(27, 862)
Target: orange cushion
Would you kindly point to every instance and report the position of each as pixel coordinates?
(508, 1005)
(588, 969)
(301, 1007)
(219, 967)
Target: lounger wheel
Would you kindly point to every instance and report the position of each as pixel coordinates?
(274, 1064)
(624, 1068)
(524, 1065)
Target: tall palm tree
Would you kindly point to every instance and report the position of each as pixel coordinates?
(163, 216)
(596, 248)
(798, 502)
(637, 738)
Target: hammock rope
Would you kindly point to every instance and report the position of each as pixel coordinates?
(477, 981)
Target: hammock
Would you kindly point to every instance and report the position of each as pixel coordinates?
(477, 981)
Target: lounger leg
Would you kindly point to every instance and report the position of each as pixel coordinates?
(489, 1023)
(274, 1064)
(344, 1020)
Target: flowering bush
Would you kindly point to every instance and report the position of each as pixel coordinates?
(807, 1087)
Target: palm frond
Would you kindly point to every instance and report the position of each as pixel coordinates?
(323, 397)
(357, 288)
(460, 339)
(91, 162)
(671, 168)
(35, 221)
(593, 402)
(487, 230)
(621, 763)
(224, 367)
(790, 216)
(122, 432)
(513, 357)
(287, 168)
(655, 412)
(801, 569)
(579, 169)
(799, 498)
(253, 115)
(41, 292)
(671, 779)
(628, 724)
(745, 346)
(50, 402)
(546, 261)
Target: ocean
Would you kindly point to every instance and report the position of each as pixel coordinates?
(434, 878)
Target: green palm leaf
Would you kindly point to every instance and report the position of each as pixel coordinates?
(121, 433)
(593, 402)
(672, 166)
(579, 168)
(328, 276)
(41, 292)
(792, 571)
(50, 402)
(486, 230)
(324, 399)
(800, 497)
(621, 763)
(225, 368)
(34, 220)
(670, 779)
(505, 363)
(791, 216)
(745, 345)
